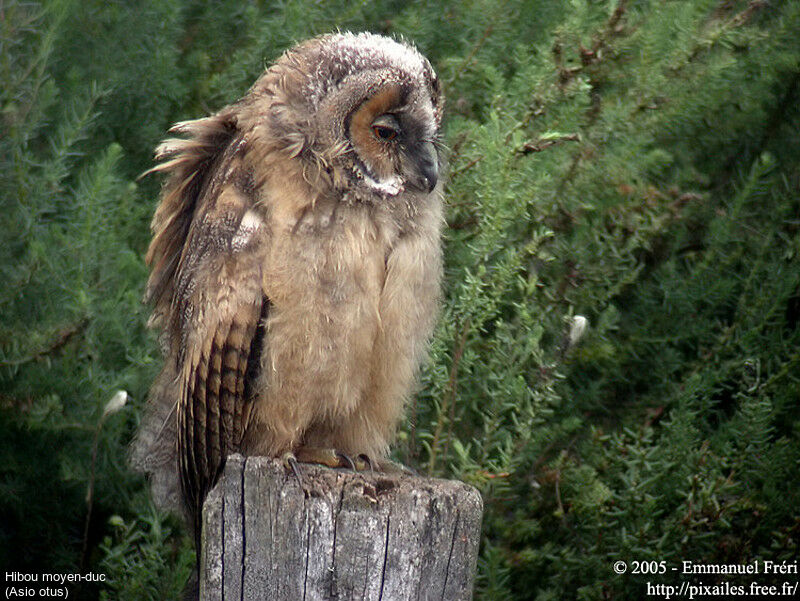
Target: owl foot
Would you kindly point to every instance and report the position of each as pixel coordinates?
(328, 457)
(336, 459)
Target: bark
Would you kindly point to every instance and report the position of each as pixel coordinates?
(341, 536)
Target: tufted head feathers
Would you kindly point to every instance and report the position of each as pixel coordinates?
(363, 109)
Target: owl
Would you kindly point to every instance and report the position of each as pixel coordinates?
(295, 265)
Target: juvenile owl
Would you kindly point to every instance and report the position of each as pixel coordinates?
(295, 265)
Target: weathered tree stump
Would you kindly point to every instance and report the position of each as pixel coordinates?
(348, 536)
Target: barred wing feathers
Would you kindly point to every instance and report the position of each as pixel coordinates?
(206, 288)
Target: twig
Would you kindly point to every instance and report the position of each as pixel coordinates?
(561, 512)
(90, 497)
(60, 340)
(737, 20)
(545, 143)
(478, 45)
(116, 403)
(467, 167)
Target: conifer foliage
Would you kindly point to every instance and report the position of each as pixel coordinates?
(630, 164)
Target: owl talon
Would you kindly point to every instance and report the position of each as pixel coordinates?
(348, 462)
(290, 463)
(365, 461)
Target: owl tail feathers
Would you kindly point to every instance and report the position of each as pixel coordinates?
(154, 450)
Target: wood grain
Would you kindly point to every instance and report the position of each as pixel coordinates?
(346, 536)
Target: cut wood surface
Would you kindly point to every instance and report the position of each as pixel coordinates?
(347, 536)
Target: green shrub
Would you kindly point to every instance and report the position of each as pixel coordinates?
(635, 163)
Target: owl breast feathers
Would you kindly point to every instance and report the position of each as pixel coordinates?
(295, 264)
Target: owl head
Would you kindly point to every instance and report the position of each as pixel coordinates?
(363, 110)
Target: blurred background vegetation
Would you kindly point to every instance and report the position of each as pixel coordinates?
(634, 162)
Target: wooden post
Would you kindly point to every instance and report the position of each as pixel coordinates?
(348, 536)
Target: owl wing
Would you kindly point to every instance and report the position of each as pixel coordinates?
(206, 286)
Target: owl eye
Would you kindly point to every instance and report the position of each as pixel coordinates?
(385, 128)
(384, 133)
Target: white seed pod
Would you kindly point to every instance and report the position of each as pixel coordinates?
(577, 329)
(116, 403)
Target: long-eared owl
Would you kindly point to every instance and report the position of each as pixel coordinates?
(295, 264)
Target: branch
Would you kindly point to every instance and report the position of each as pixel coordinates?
(59, 341)
(546, 142)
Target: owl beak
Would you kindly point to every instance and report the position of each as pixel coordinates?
(427, 166)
